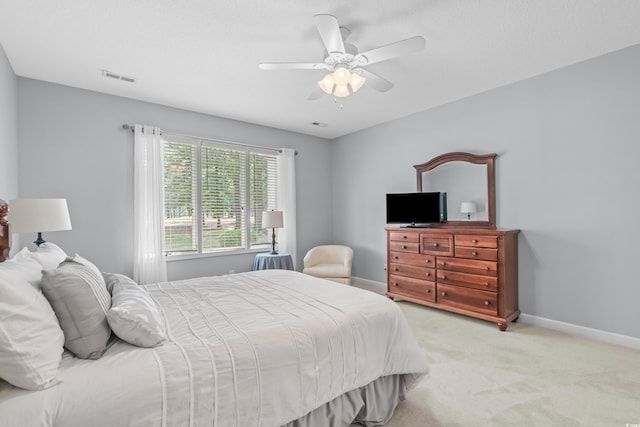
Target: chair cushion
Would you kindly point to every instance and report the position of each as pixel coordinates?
(327, 270)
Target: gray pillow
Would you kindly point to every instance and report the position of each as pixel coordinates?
(134, 317)
(78, 294)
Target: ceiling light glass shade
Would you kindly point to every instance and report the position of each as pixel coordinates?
(356, 82)
(341, 76)
(341, 91)
(326, 84)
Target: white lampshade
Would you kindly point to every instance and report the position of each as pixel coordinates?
(272, 219)
(467, 207)
(39, 215)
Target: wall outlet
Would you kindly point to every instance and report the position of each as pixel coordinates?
(231, 271)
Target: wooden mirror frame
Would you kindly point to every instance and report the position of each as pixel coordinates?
(478, 159)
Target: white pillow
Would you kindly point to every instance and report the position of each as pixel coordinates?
(30, 337)
(22, 267)
(134, 317)
(49, 255)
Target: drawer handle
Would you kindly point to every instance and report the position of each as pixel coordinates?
(443, 263)
(428, 261)
(486, 268)
(396, 269)
(486, 284)
(427, 274)
(474, 253)
(404, 237)
(395, 257)
(435, 245)
(442, 277)
(486, 303)
(404, 247)
(444, 294)
(428, 291)
(474, 241)
(395, 284)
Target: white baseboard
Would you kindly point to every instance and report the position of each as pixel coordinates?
(369, 285)
(569, 328)
(582, 331)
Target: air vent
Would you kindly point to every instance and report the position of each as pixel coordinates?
(112, 75)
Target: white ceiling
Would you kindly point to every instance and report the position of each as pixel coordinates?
(203, 55)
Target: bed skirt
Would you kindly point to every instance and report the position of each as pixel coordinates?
(371, 405)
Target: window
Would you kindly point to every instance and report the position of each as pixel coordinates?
(215, 195)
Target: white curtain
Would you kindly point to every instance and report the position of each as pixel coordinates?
(287, 202)
(148, 206)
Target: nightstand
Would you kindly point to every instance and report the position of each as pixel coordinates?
(269, 261)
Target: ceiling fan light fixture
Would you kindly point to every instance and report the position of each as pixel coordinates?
(327, 83)
(341, 76)
(356, 82)
(341, 91)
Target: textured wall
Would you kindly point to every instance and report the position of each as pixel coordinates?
(567, 175)
(72, 145)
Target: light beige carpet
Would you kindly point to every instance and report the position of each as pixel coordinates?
(526, 376)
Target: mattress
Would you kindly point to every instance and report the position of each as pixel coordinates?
(263, 348)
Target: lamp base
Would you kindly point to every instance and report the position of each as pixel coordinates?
(273, 242)
(39, 240)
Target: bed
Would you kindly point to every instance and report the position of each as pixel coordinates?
(263, 348)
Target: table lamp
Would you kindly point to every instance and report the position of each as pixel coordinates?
(468, 208)
(38, 216)
(273, 220)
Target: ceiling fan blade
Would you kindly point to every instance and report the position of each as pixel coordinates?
(392, 50)
(293, 66)
(375, 81)
(315, 94)
(330, 33)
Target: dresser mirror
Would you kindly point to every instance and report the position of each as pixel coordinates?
(469, 181)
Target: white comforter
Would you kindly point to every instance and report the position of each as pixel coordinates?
(252, 349)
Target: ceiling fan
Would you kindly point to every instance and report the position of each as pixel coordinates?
(344, 63)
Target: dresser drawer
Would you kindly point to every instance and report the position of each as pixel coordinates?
(470, 299)
(404, 247)
(467, 280)
(436, 244)
(412, 258)
(412, 271)
(400, 236)
(487, 268)
(477, 253)
(416, 288)
(477, 241)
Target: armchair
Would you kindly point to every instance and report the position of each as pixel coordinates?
(331, 262)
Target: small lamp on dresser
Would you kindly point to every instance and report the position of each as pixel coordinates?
(273, 220)
(468, 208)
(38, 216)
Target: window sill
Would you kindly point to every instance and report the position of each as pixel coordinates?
(171, 258)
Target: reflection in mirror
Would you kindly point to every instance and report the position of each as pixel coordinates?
(464, 183)
(469, 181)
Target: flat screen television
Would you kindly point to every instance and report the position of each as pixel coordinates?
(416, 209)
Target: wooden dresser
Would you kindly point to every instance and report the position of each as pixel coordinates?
(470, 271)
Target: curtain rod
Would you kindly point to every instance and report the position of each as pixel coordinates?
(184, 135)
